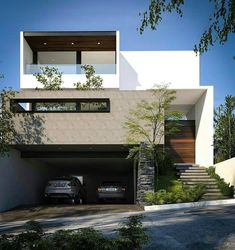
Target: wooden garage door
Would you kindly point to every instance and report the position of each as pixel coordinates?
(182, 144)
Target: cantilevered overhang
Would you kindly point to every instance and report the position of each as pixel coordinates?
(187, 98)
(71, 41)
(72, 151)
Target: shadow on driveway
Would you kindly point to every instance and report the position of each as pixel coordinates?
(65, 210)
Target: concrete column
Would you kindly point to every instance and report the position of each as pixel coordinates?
(145, 175)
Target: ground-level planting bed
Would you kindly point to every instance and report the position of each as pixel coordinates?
(170, 190)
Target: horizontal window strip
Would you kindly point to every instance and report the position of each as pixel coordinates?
(60, 105)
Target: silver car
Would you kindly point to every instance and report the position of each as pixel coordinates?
(65, 188)
(111, 191)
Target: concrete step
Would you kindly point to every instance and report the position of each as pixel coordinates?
(194, 183)
(192, 171)
(212, 190)
(187, 172)
(186, 164)
(207, 185)
(190, 168)
(192, 176)
(213, 194)
(211, 198)
(196, 178)
(209, 191)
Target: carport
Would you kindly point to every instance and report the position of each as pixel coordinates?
(95, 163)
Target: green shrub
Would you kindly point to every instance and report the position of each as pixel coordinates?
(33, 226)
(195, 193)
(149, 198)
(132, 235)
(165, 161)
(133, 232)
(166, 181)
(7, 243)
(225, 188)
(177, 194)
(25, 240)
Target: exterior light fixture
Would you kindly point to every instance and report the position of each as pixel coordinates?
(99, 43)
(45, 43)
(72, 43)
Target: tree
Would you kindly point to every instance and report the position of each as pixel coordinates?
(221, 21)
(7, 130)
(92, 82)
(146, 123)
(50, 78)
(224, 127)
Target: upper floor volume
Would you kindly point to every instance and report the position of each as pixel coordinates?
(68, 51)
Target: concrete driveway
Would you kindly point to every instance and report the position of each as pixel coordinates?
(211, 228)
(64, 210)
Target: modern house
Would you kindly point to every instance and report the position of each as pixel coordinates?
(84, 134)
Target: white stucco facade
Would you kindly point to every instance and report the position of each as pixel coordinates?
(143, 69)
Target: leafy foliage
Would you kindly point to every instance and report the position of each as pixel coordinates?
(221, 22)
(224, 125)
(33, 226)
(225, 188)
(168, 180)
(133, 231)
(50, 78)
(92, 82)
(146, 123)
(7, 130)
(131, 236)
(165, 161)
(176, 194)
(153, 16)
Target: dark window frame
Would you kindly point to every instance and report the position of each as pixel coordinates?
(62, 100)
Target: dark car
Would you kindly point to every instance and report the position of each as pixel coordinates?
(111, 190)
(65, 188)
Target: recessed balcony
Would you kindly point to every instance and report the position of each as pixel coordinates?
(68, 52)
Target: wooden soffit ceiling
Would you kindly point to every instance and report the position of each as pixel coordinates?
(72, 42)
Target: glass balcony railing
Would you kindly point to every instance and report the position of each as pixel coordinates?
(72, 68)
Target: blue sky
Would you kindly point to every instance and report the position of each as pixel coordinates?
(174, 33)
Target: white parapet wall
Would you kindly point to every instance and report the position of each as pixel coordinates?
(143, 69)
(30, 82)
(22, 181)
(226, 170)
